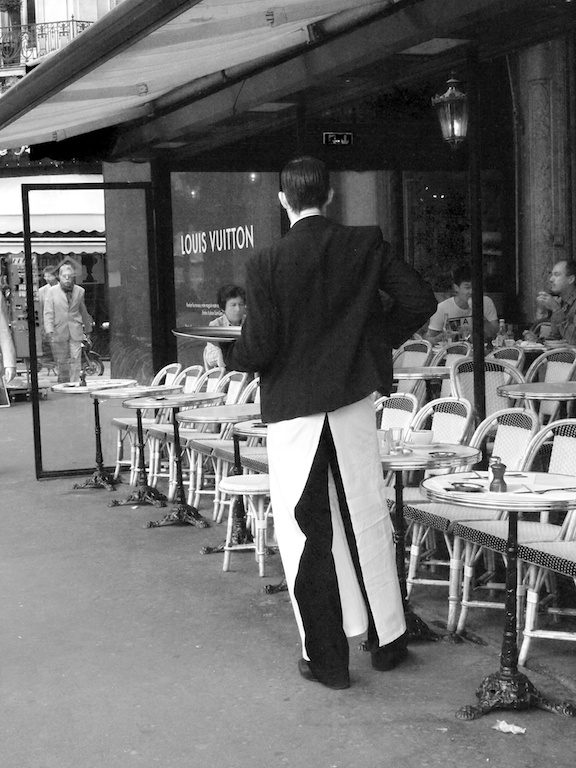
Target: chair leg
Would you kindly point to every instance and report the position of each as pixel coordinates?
(229, 525)
(260, 510)
(199, 464)
(529, 623)
(225, 469)
(120, 437)
(218, 474)
(418, 536)
(455, 582)
(154, 462)
(471, 552)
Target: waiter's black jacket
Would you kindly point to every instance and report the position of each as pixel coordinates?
(316, 330)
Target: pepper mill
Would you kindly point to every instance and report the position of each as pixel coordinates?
(498, 484)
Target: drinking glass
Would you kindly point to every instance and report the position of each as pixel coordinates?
(396, 439)
(384, 441)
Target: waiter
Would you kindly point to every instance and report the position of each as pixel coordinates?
(322, 343)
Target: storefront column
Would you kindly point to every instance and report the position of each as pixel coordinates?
(545, 178)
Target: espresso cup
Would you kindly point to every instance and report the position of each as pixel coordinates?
(421, 436)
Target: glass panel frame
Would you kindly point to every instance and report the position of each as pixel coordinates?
(35, 394)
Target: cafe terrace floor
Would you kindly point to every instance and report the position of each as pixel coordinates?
(125, 647)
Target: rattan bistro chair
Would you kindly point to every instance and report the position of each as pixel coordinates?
(507, 433)
(395, 410)
(126, 425)
(496, 374)
(414, 352)
(160, 435)
(541, 559)
(552, 449)
(554, 365)
(513, 355)
(447, 356)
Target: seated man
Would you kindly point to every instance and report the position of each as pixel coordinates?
(560, 301)
(458, 310)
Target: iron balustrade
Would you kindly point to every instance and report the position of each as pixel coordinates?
(27, 42)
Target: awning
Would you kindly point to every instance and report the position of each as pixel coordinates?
(55, 210)
(183, 77)
(142, 50)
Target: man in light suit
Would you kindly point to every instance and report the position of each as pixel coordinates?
(320, 337)
(7, 349)
(66, 319)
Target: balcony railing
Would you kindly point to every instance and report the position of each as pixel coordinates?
(28, 42)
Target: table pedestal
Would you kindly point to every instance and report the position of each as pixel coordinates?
(416, 628)
(101, 478)
(508, 688)
(144, 494)
(240, 533)
(184, 514)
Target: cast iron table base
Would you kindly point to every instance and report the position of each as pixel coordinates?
(144, 494)
(508, 688)
(417, 629)
(101, 477)
(240, 533)
(184, 514)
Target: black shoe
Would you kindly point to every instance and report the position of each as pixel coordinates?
(389, 656)
(337, 681)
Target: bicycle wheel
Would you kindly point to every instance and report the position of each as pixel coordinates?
(93, 365)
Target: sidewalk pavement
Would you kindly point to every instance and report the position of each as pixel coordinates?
(124, 646)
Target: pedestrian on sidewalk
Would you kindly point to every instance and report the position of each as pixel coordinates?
(7, 349)
(66, 319)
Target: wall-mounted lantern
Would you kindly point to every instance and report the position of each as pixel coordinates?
(452, 110)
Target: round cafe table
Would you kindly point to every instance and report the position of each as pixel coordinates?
(564, 391)
(100, 478)
(421, 372)
(141, 496)
(226, 414)
(533, 492)
(418, 457)
(184, 514)
(427, 373)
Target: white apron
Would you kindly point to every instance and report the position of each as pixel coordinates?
(292, 445)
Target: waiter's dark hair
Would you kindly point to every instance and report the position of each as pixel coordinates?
(230, 291)
(306, 183)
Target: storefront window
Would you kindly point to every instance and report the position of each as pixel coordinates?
(220, 220)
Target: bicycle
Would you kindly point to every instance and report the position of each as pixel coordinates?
(90, 362)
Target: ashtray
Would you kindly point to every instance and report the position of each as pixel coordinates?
(467, 487)
(442, 454)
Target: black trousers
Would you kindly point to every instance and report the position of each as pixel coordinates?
(316, 584)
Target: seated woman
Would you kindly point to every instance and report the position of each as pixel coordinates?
(232, 302)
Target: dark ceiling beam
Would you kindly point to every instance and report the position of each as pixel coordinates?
(406, 25)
